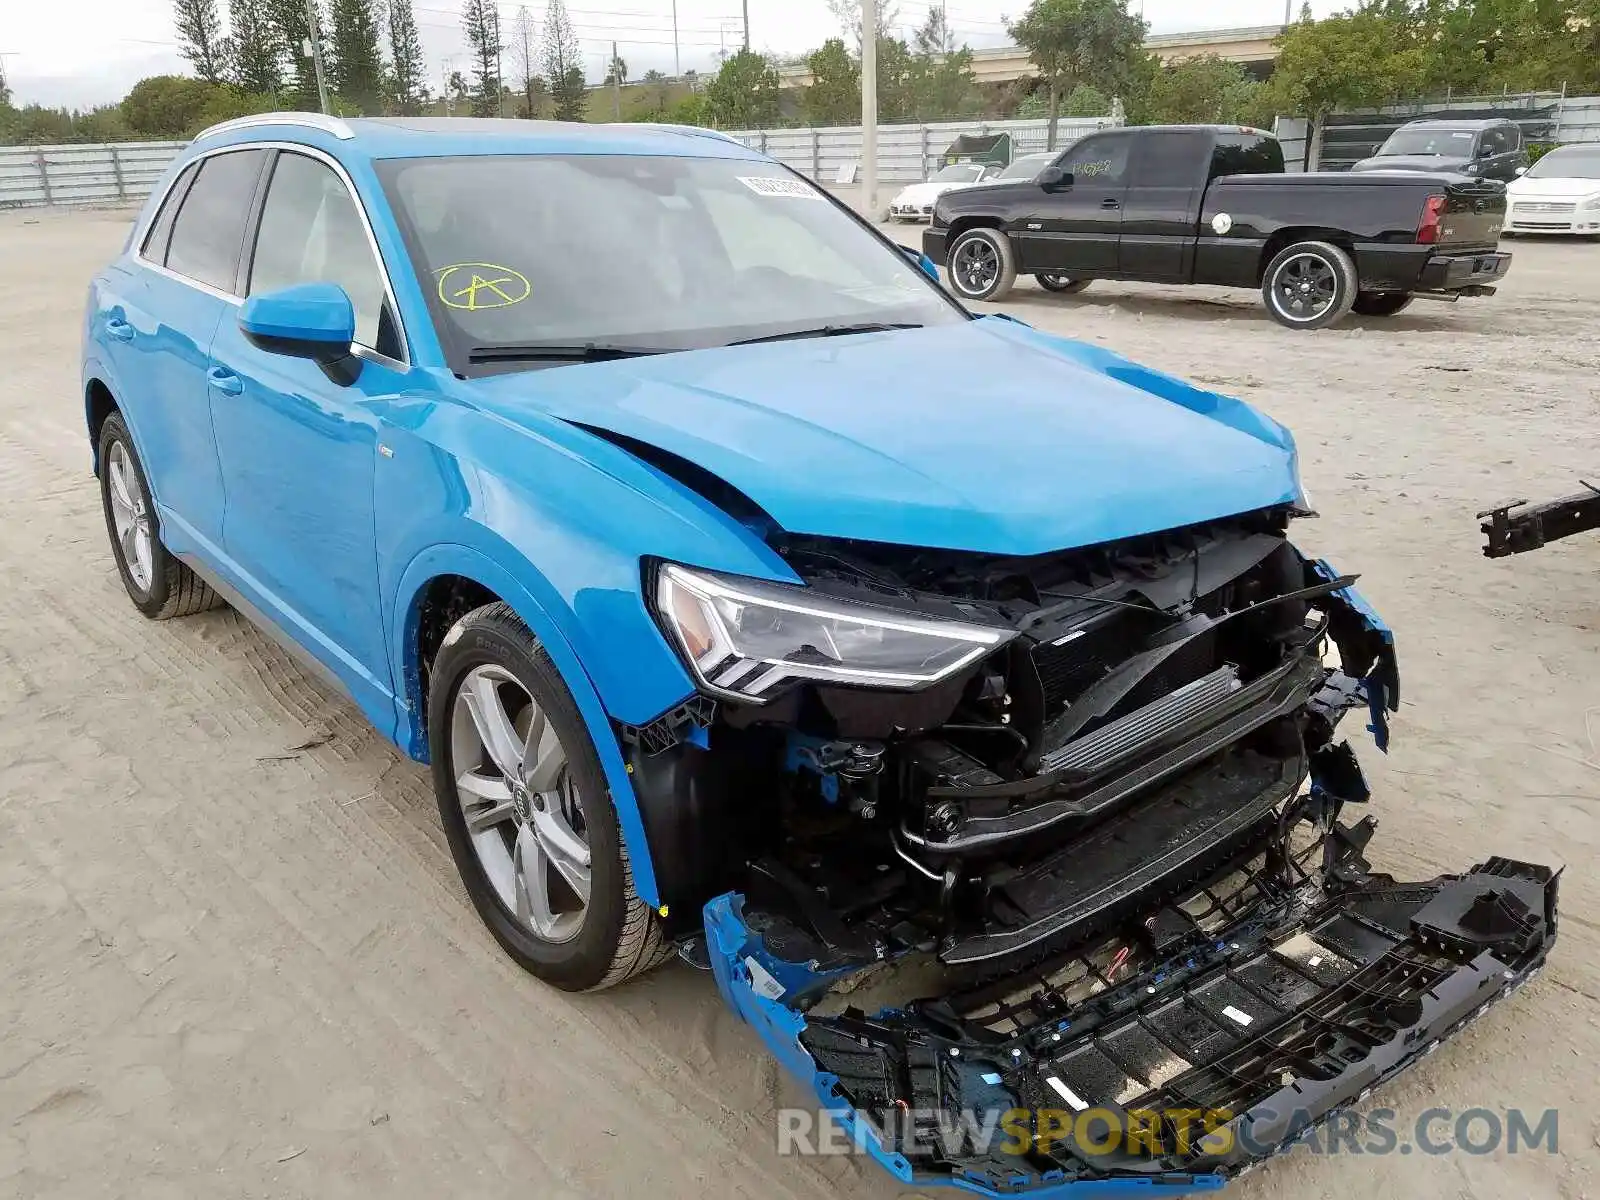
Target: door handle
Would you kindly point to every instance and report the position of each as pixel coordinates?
(118, 328)
(225, 381)
(1110, 202)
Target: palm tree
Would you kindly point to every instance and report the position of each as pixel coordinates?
(617, 71)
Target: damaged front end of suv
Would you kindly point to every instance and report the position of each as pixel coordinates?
(1063, 838)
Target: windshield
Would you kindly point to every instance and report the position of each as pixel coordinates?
(647, 252)
(1447, 143)
(1578, 162)
(1026, 167)
(958, 173)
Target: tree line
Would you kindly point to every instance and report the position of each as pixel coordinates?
(1086, 54)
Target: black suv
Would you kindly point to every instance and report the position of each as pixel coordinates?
(1491, 149)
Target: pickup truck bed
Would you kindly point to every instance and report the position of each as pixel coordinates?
(1214, 206)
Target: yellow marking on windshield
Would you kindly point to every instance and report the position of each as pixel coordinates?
(488, 285)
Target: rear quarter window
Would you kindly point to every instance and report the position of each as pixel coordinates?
(155, 240)
(1246, 154)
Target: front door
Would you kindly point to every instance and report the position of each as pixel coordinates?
(298, 450)
(1073, 228)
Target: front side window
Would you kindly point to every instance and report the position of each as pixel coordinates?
(312, 232)
(1099, 159)
(656, 252)
(209, 229)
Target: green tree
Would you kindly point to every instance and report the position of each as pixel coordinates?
(616, 71)
(163, 107)
(563, 63)
(834, 97)
(258, 51)
(1097, 42)
(289, 20)
(200, 38)
(480, 22)
(1204, 90)
(1350, 60)
(744, 95)
(1081, 101)
(227, 103)
(357, 67)
(525, 64)
(406, 71)
(693, 109)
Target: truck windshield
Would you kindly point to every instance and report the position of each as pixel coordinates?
(1451, 143)
(1568, 163)
(649, 253)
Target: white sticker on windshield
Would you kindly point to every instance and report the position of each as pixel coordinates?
(771, 185)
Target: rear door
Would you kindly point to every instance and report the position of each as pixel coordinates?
(1162, 204)
(159, 318)
(1074, 228)
(299, 451)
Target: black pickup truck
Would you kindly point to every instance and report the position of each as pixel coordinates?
(1213, 204)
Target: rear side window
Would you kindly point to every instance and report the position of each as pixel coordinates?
(209, 228)
(1246, 154)
(155, 242)
(312, 232)
(1169, 159)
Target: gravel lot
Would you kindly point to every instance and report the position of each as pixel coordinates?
(235, 960)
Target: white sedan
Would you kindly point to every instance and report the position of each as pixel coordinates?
(915, 201)
(1559, 194)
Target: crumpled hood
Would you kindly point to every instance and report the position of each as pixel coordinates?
(1433, 164)
(982, 436)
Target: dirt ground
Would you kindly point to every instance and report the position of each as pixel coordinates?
(235, 961)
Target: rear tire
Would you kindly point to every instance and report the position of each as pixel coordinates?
(1309, 285)
(159, 585)
(982, 265)
(1379, 304)
(1054, 281)
(542, 858)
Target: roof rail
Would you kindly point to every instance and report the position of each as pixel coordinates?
(322, 121)
(691, 130)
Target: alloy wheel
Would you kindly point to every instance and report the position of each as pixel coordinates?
(130, 517)
(976, 265)
(522, 809)
(1305, 287)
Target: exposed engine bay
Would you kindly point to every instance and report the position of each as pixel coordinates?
(1103, 867)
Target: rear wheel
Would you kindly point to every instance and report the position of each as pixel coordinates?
(1309, 285)
(982, 265)
(527, 812)
(158, 584)
(1054, 281)
(1379, 304)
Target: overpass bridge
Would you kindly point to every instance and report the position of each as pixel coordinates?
(1253, 47)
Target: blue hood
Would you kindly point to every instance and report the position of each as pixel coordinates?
(983, 436)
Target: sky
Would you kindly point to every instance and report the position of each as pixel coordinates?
(80, 53)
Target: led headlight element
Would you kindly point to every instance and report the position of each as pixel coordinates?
(744, 637)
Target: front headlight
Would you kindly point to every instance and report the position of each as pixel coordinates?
(1592, 201)
(744, 637)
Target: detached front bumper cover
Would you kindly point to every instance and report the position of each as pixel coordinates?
(1299, 1008)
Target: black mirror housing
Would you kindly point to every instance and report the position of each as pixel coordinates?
(1054, 179)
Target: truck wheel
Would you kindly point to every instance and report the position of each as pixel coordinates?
(1054, 281)
(982, 265)
(1309, 285)
(1379, 304)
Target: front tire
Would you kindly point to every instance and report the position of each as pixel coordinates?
(982, 264)
(527, 812)
(1054, 281)
(1310, 285)
(159, 585)
(1380, 304)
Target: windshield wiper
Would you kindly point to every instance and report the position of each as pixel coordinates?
(555, 352)
(829, 331)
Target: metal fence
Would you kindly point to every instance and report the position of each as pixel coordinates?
(905, 152)
(107, 174)
(1579, 120)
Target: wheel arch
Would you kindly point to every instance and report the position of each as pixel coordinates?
(979, 221)
(99, 402)
(1289, 235)
(432, 589)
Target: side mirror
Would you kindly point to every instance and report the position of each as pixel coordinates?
(1486, 151)
(310, 320)
(922, 261)
(1054, 179)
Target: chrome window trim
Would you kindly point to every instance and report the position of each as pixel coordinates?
(322, 156)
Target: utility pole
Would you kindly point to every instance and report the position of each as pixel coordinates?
(677, 63)
(616, 85)
(316, 53)
(747, 26)
(869, 106)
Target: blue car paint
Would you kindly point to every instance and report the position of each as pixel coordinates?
(1379, 701)
(496, 480)
(765, 997)
(307, 312)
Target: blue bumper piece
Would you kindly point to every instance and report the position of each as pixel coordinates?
(1366, 644)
